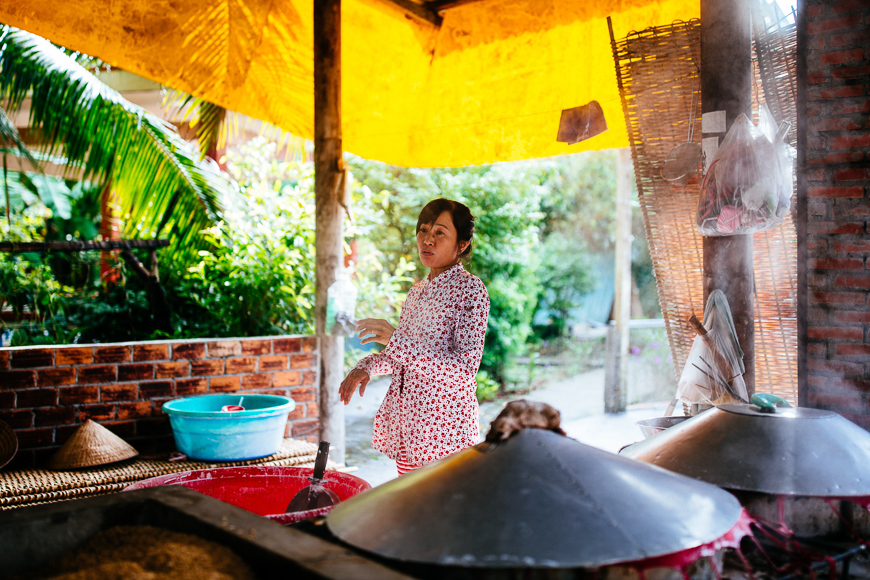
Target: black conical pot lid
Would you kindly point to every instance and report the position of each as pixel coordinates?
(538, 499)
(794, 451)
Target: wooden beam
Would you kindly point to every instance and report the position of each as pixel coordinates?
(419, 11)
(441, 5)
(328, 242)
(726, 85)
(18, 247)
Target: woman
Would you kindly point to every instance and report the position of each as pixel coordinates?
(430, 409)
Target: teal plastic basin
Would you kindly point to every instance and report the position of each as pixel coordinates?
(202, 431)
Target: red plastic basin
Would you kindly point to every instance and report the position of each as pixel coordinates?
(263, 490)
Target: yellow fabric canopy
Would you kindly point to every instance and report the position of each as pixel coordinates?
(488, 85)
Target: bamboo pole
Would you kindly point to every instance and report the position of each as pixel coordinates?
(328, 167)
(616, 384)
(726, 85)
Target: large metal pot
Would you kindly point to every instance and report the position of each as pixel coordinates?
(537, 501)
(789, 466)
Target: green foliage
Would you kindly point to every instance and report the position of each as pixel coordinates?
(565, 274)
(257, 277)
(580, 210)
(538, 226)
(9, 136)
(642, 268)
(487, 389)
(27, 189)
(58, 299)
(32, 294)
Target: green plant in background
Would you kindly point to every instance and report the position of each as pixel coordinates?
(566, 274)
(32, 294)
(257, 277)
(487, 389)
(254, 275)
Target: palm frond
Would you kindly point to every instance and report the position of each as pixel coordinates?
(215, 125)
(109, 138)
(9, 137)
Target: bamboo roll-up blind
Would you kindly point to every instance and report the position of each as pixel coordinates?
(658, 72)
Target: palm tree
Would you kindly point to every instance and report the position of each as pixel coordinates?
(162, 186)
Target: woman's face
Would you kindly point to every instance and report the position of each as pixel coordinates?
(438, 245)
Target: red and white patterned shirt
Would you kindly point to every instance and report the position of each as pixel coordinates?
(433, 355)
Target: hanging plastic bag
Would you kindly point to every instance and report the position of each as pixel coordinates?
(714, 369)
(782, 152)
(743, 189)
(340, 305)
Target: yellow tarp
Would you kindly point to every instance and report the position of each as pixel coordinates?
(487, 85)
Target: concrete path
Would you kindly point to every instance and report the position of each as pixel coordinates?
(579, 399)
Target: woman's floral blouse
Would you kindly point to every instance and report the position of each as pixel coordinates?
(433, 355)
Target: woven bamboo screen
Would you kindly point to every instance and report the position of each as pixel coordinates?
(658, 71)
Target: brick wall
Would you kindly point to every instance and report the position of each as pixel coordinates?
(834, 210)
(46, 393)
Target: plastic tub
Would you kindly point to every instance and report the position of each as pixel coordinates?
(263, 490)
(202, 431)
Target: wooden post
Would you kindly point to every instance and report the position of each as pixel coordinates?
(616, 386)
(110, 229)
(726, 85)
(328, 168)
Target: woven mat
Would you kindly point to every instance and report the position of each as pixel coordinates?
(37, 486)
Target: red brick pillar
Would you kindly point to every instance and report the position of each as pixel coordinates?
(833, 209)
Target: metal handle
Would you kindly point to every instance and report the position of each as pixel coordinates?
(768, 403)
(320, 461)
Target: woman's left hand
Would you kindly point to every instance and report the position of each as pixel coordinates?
(355, 378)
(380, 328)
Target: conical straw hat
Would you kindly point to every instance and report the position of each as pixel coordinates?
(92, 444)
(8, 443)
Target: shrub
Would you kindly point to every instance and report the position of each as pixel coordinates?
(487, 389)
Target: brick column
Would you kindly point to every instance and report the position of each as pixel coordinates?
(833, 207)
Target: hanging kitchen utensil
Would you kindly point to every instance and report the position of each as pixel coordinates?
(683, 159)
(536, 499)
(315, 496)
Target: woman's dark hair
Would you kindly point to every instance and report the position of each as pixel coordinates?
(463, 221)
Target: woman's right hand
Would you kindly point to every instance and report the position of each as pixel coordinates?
(380, 328)
(355, 378)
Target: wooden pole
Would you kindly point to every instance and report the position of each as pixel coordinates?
(726, 85)
(328, 166)
(616, 384)
(110, 230)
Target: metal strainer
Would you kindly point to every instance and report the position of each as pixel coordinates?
(683, 159)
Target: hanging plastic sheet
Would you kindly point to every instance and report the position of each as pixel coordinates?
(714, 369)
